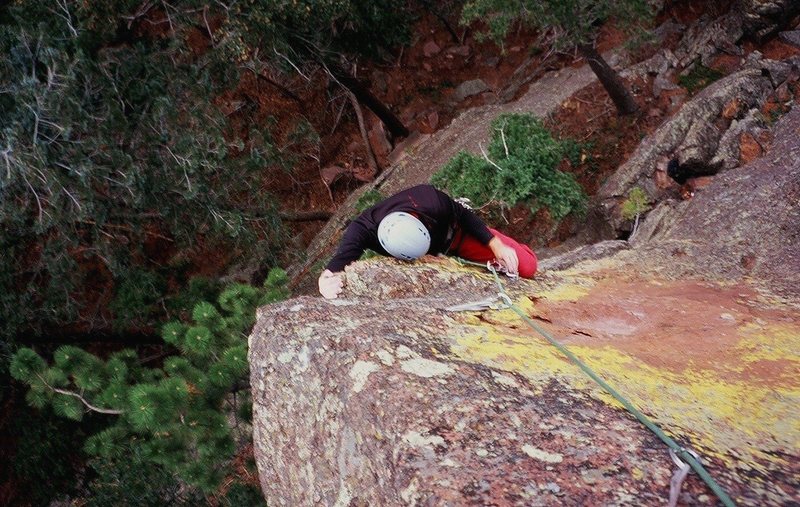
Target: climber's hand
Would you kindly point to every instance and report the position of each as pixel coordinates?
(505, 255)
(330, 284)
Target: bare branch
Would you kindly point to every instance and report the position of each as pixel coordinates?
(38, 201)
(77, 204)
(145, 7)
(169, 18)
(35, 136)
(480, 145)
(292, 64)
(67, 16)
(503, 136)
(208, 28)
(5, 154)
(373, 162)
(286, 91)
(83, 400)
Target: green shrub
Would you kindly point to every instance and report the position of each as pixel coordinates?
(45, 460)
(368, 199)
(129, 479)
(174, 416)
(698, 78)
(636, 204)
(107, 144)
(243, 495)
(136, 296)
(521, 168)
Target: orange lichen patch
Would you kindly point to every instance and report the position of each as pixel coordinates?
(731, 109)
(773, 371)
(678, 326)
(774, 49)
(707, 362)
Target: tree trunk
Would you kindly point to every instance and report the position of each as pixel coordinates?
(433, 10)
(364, 96)
(610, 80)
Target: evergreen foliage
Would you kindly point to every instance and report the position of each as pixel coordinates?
(107, 141)
(44, 457)
(243, 495)
(174, 417)
(368, 199)
(636, 204)
(130, 479)
(577, 21)
(520, 165)
(569, 24)
(698, 78)
(110, 137)
(318, 30)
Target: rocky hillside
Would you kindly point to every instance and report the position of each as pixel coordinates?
(385, 397)
(388, 397)
(703, 131)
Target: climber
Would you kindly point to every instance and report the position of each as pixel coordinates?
(422, 220)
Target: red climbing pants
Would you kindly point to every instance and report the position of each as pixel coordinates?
(469, 248)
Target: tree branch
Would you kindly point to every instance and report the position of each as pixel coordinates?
(83, 400)
(277, 85)
(373, 162)
(487, 157)
(441, 18)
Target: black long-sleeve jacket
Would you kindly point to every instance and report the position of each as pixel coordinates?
(440, 214)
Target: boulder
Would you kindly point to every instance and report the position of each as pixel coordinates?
(707, 37)
(431, 49)
(746, 223)
(792, 37)
(692, 135)
(387, 397)
(379, 140)
(469, 88)
(764, 18)
(384, 397)
(462, 51)
(332, 173)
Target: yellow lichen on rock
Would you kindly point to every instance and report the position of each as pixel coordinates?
(777, 343)
(731, 419)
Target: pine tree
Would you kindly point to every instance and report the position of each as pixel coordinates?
(572, 23)
(176, 416)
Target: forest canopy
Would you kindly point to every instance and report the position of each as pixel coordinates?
(111, 139)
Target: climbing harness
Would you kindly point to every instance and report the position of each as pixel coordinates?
(682, 457)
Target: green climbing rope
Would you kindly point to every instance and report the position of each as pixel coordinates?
(679, 450)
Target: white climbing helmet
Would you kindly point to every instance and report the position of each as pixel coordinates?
(403, 236)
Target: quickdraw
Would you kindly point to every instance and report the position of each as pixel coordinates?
(498, 302)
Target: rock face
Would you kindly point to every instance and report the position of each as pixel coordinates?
(367, 411)
(385, 397)
(468, 89)
(693, 136)
(764, 18)
(746, 223)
